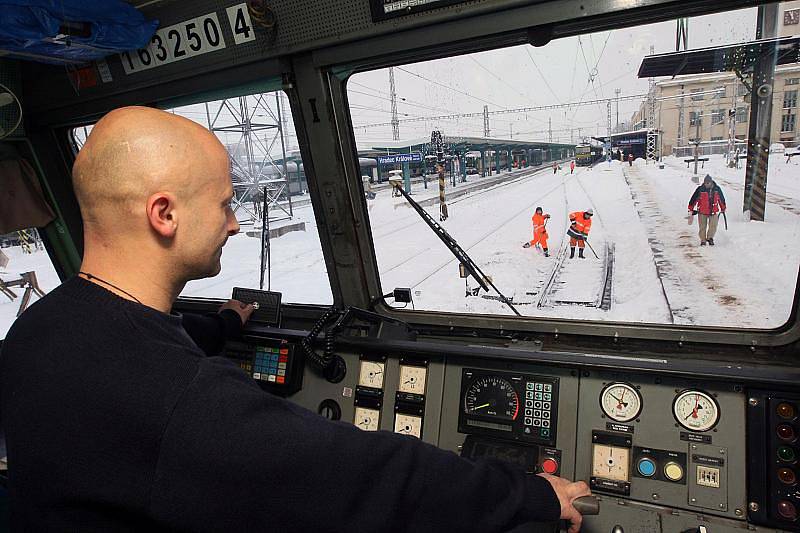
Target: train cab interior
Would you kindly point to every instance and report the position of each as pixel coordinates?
(607, 341)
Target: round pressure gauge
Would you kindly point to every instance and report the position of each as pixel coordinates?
(621, 402)
(695, 410)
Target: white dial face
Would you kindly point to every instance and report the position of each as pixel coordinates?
(695, 410)
(611, 462)
(367, 419)
(408, 425)
(620, 402)
(371, 374)
(412, 379)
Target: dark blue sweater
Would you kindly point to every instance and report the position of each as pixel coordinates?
(116, 420)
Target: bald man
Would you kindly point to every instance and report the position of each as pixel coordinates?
(117, 419)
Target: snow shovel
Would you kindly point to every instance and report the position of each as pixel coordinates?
(725, 218)
(590, 247)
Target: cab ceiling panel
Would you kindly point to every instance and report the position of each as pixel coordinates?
(211, 40)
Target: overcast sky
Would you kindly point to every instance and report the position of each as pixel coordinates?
(525, 76)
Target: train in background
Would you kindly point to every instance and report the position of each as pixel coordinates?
(587, 154)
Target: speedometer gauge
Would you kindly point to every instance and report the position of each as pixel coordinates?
(620, 402)
(492, 397)
(695, 410)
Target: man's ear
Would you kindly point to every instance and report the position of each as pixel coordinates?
(162, 213)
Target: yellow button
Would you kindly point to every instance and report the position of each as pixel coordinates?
(673, 471)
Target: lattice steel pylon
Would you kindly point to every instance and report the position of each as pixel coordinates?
(393, 97)
(652, 129)
(608, 112)
(681, 140)
(486, 131)
(251, 129)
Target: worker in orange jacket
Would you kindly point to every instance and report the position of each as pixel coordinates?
(580, 224)
(539, 220)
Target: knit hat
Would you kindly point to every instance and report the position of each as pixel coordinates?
(589, 212)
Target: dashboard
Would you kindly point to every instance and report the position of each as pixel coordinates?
(663, 453)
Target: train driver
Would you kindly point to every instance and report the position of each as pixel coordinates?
(116, 420)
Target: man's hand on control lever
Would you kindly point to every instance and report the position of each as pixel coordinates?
(567, 492)
(242, 309)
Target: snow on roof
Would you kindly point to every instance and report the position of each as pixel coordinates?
(719, 76)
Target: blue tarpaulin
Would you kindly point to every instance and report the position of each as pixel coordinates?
(34, 29)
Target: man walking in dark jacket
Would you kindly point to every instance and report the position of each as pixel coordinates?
(707, 202)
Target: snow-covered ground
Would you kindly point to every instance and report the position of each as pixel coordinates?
(20, 262)
(660, 273)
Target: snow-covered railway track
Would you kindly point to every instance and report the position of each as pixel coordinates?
(491, 231)
(567, 282)
(412, 218)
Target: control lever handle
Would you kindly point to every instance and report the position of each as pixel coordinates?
(587, 505)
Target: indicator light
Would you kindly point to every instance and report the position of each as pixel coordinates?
(785, 432)
(786, 454)
(785, 410)
(673, 471)
(646, 467)
(786, 475)
(787, 510)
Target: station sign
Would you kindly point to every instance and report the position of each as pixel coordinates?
(414, 157)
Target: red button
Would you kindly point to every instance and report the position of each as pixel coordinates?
(283, 359)
(284, 351)
(281, 379)
(550, 466)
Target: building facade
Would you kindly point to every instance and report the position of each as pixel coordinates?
(715, 108)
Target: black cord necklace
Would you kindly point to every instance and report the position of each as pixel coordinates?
(90, 277)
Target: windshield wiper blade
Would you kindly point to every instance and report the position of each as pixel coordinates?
(459, 253)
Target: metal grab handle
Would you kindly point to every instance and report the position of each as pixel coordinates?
(587, 505)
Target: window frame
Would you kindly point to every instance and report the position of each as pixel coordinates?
(646, 331)
(788, 119)
(264, 85)
(790, 99)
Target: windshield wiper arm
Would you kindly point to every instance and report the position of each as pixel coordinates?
(459, 253)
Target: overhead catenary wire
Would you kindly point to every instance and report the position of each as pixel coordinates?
(434, 82)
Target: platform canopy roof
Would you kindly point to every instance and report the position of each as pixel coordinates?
(739, 58)
(461, 143)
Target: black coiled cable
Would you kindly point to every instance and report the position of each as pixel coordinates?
(326, 362)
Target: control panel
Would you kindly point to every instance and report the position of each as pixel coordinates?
(513, 406)
(774, 442)
(664, 442)
(407, 403)
(273, 363)
(675, 454)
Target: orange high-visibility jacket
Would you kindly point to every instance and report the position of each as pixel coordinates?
(538, 221)
(582, 224)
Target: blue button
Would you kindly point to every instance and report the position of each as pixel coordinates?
(646, 467)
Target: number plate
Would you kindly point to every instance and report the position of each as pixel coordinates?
(186, 39)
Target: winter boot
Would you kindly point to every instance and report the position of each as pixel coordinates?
(572, 252)
(702, 243)
(546, 253)
(711, 242)
(580, 253)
